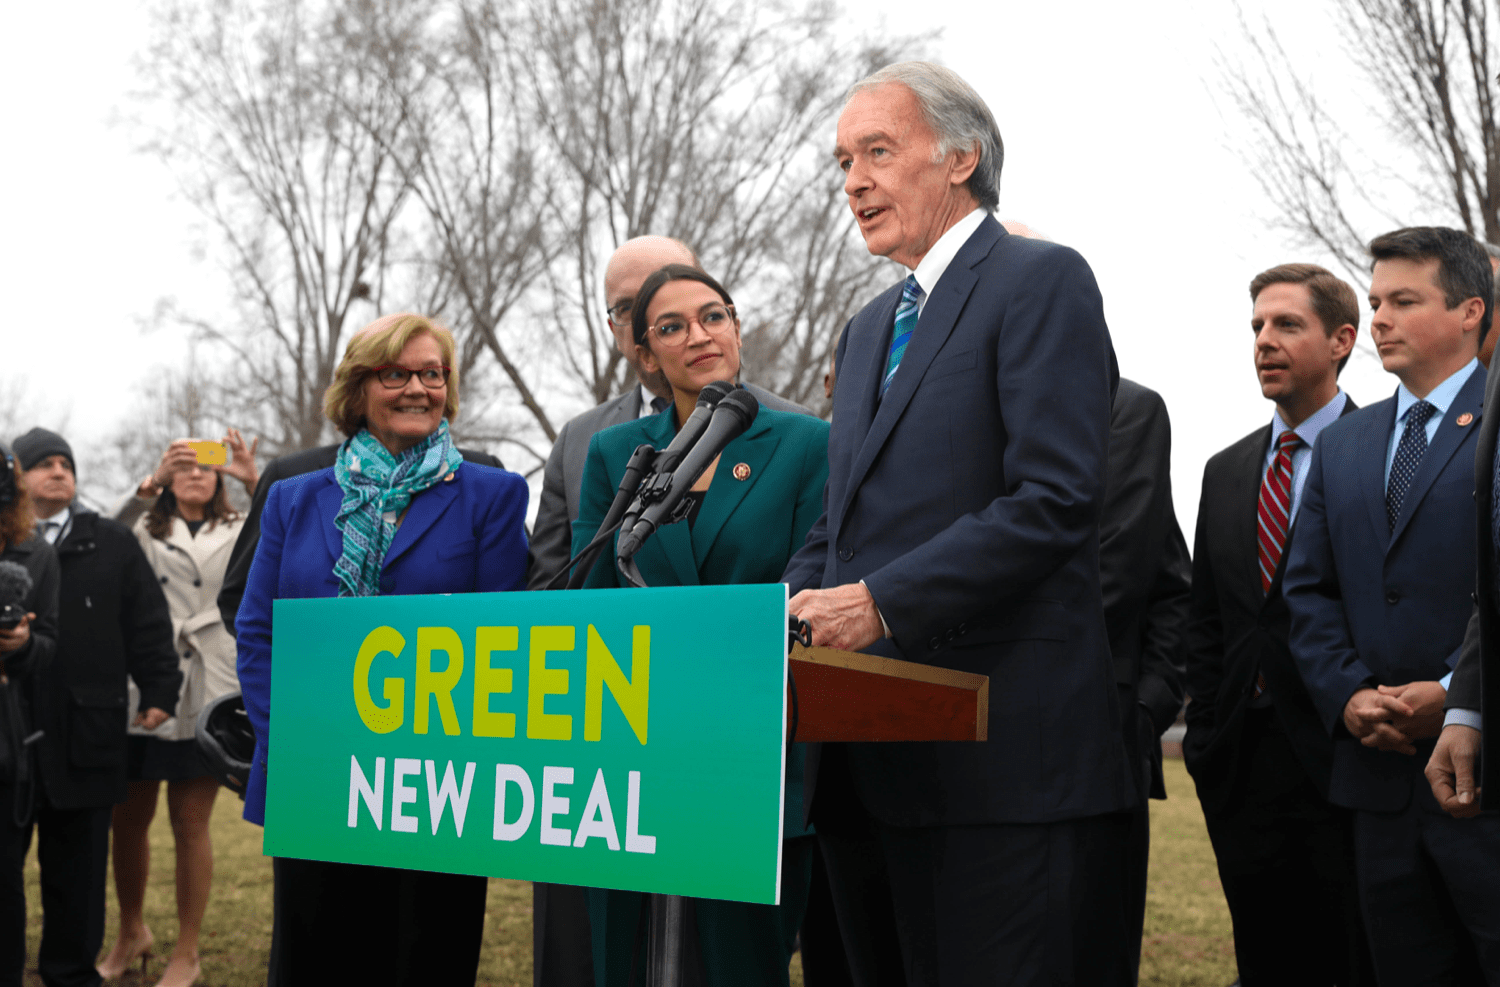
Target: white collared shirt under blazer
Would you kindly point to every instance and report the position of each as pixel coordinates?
(191, 571)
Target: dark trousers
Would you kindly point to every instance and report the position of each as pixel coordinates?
(73, 851)
(561, 948)
(1137, 865)
(1431, 891)
(963, 906)
(824, 962)
(1285, 859)
(353, 924)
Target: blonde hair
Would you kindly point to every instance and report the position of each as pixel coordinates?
(376, 345)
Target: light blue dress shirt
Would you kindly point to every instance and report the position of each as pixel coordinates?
(1308, 433)
(1441, 398)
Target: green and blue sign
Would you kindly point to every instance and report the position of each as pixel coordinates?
(626, 739)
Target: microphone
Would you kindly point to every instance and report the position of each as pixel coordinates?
(686, 438)
(15, 584)
(731, 418)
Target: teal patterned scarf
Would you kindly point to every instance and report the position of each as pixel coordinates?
(378, 487)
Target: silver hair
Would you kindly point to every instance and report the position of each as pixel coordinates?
(956, 114)
(1490, 249)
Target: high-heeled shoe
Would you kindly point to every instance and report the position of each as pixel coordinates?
(121, 959)
(180, 973)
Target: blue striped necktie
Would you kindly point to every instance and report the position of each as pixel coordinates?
(906, 321)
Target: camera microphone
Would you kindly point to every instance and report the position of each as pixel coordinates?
(15, 586)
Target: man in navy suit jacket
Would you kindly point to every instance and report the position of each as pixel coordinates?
(966, 472)
(1378, 583)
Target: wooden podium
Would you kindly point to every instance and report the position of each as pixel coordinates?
(848, 696)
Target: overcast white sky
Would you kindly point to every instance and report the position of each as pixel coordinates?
(1113, 145)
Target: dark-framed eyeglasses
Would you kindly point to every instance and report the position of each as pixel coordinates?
(619, 312)
(393, 376)
(716, 320)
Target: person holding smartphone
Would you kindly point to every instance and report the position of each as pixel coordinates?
(181, 516)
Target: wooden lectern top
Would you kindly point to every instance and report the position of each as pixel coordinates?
(853, 697)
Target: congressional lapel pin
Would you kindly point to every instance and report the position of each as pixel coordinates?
(1463, 419)
(742, 471)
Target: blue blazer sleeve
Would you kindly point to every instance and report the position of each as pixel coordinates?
(1321, 641)
(253, 638)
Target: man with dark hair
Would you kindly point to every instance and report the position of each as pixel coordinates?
(1378, 582)
(1254, 746)
(113, 622)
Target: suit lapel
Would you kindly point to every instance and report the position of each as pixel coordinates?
(426, 507)
(939, 317)
(1445, 442)
(1244, 514)
(1372, 468)
(753, 449)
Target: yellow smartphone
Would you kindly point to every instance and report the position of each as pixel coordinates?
(211, 453)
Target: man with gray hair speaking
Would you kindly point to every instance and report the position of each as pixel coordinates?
(961, 529)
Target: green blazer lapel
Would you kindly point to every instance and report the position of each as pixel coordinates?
(675, 543)
(754, 450)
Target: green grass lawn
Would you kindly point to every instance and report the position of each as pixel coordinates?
(1187, 940)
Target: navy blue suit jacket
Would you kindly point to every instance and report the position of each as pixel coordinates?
(464, 535)
(1374, 606)
(967, 499)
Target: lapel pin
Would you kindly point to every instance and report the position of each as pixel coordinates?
(449, 478)
(1463, 419)
(742, 471)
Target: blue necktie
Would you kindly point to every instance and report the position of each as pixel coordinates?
(1408, 458)
(906, 321)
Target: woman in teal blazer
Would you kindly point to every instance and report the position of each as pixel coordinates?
(751, 511)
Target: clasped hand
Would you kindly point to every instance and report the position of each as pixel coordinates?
(1391, 717)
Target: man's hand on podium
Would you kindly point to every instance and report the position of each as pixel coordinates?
(844, 617)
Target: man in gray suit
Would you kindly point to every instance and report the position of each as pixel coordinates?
(560, 929)
(628, 268)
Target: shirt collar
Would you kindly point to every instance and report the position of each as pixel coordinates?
(931, 267)
(60, 518)
(1442, 395)
(1315, 423)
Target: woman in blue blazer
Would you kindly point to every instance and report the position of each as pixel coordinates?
(751, 511)
(398, 513)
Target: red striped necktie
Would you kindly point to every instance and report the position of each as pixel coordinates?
(1275, 510)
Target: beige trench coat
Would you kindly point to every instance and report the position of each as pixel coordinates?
(191, 571)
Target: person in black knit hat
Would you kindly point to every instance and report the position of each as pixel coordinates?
(114, 623)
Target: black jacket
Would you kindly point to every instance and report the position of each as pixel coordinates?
(237, 572)
(1236, 631)
(113, 622)
(1145, 575)
(1476, 680)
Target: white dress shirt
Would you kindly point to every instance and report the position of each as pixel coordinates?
(53, 528)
